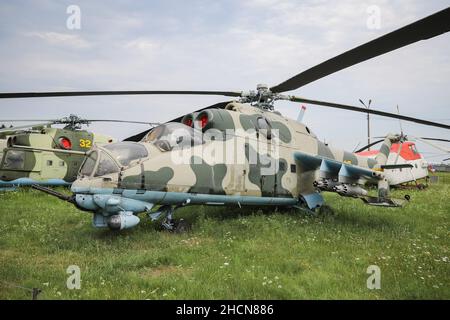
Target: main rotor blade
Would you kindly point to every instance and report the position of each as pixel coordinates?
(127, 121)
(83, 120)
(426, 28)
(371, 111)
(434, 139)
(423, 138)
(434, 145)
(12, 95)
(25, 126)
(26, 120)
(368, 146)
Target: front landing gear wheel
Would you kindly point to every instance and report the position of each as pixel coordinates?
(181, 226)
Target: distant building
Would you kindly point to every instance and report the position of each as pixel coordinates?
(441, 167)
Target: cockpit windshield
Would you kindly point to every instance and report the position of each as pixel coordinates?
(105, 166)
(103, 161)
(89, 164)
(125, 152)
(174, 135)
(413, 148)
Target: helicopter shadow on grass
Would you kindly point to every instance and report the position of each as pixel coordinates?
(195, 213)
(367, 220)
(339, 217)
(348, 217)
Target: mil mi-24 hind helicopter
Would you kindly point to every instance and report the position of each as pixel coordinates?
(237, 153)
(40, 154)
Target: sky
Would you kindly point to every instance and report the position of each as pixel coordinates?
(222, 45)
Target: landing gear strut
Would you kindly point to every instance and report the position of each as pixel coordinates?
(169, 223)
(322, 210)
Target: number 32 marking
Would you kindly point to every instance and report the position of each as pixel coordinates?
(84, 143)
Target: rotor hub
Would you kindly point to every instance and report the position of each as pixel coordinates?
(72, 122)
(262, 98)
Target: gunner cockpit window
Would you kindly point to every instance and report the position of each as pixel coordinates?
(174, 135)
(105, 166)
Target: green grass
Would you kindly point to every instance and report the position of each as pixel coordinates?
(230, 254)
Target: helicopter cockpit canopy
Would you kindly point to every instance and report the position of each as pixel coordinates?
(125, 152)
(108, 158)
(172, 135)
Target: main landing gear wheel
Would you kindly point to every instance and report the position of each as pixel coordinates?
(175, 226)
(169, 223)
(181, 226)
(325, 211)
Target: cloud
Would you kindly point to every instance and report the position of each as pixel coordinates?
(143, 44)
(63, 39)
(231, 45)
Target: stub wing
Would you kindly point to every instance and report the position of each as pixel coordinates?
(319, 173)
(334, 169)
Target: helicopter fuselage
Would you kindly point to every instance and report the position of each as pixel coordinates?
(240, 155)
(49, 156)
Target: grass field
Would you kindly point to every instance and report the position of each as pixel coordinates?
(230, 254)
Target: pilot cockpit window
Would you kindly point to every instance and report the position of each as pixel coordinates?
(14, 160)
(88, 166)
(125, 152)
(172, 135)
(413, 149)
(105, 166)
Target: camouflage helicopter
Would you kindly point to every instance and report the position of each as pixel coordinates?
(237, 153)
(41, 154)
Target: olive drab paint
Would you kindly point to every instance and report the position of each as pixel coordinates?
(29, 154)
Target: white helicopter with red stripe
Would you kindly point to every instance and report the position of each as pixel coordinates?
(405, 163)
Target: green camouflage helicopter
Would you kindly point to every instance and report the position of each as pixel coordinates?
(237, 153)
(40, 154)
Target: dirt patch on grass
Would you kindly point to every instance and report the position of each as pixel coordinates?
(161, 271)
